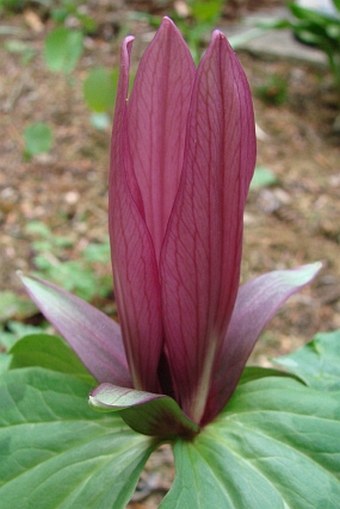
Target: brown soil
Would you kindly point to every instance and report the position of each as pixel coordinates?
(294, 222)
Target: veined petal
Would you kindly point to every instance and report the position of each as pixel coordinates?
(200, 260)
(157, 115)
(133, 257)
(151, 414)
(257, 302)
(94, 337)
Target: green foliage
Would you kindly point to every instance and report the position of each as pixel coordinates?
(263, 177)
(203, 18)
(13, 306)
(97, 253)
(100, 121)
(20, 48)
(38, 139)
(100, 89)
(275, 445)
(71, 8)
(74, 276)
(206, 12)
(319, 29)
(60, 11)
(273, 90)
(57, 452)
(63, 49)
(11, 5)
(49, 352)
(317, 363)
(13, 331)
(77, 276)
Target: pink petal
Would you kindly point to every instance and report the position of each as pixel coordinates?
(133, 257)
(257, 302)
(94, 337)
(157, 115)
(200, 260)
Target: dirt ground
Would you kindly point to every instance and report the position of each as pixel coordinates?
(295, 221)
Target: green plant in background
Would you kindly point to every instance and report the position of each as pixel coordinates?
(263, 177)
(203, 17)
(76, 275)
(11, 5)
(13, 307)
(63, 48)
(21, 48)
(99, 92)
(38, 138)
(13, 331)
(273, 90)
(195, 24)
(65, 9)
(63, 45)
(319, 29)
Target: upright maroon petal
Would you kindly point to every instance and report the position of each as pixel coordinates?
(133, 257)
(257, 302)
(157, 115)
(200, 260)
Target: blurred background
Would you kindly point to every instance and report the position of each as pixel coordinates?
(58, 77)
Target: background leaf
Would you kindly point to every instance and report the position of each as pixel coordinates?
(13, 331)
(38, 138)
(318, 362)
(49, 352)
(63, 48)
(100, 89)
(263, 177)
(14, 306)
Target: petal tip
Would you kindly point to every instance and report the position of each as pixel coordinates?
(217, 34)
(127, 42)
(219, 37)
(20, 274)
(167, 22)
(311, 270)
(168, 26)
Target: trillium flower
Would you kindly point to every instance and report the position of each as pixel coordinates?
(183, 155)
